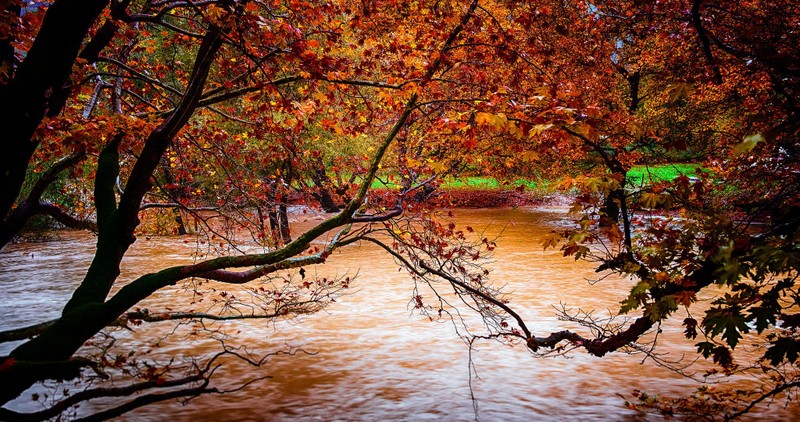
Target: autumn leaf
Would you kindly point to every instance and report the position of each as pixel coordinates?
(747, 145)
(691, 328)
(497, 121)
(685, 297)
(551, 240)
(678, 90)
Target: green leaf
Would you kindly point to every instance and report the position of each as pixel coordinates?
(705, 348)
(729, 269)
(628, 305)
(653, 311)
(668, 304)
(637, 296)
(764, 316)
(726, 321)
(783, 347)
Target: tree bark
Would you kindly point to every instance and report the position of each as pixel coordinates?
(117, 224)
(28, 96)
(322, 181)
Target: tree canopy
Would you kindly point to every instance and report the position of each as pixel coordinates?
(127, 116)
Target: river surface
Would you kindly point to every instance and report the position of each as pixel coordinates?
(370, 356)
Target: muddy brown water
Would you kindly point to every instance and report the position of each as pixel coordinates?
(370, 356)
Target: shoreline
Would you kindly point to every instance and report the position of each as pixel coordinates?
(494, 198)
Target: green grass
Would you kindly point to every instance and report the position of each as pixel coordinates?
(648, 174)
(480, 182)
(636, 176)
(469, 182)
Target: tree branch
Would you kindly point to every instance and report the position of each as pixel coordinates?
(775, 391)
(105, 198)
(86, 395)
(697, 22)
(25, 332)
(31, 205)
(62, 217)
(241, 277)
(147, 400)
(144, 286)
(118, 235)
(482, 295)
(28, 98)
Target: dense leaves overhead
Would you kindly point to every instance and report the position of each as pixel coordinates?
(135, 117)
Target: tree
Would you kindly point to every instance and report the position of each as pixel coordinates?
(606, 94)
(583, 89)
(156, 115)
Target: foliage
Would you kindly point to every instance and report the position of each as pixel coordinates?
(219, 113)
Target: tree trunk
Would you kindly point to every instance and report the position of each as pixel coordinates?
(175, 195)
(322, 181)
(609, 212)
(28, 97)
(283, 217)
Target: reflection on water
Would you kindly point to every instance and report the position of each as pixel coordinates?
(369, 357)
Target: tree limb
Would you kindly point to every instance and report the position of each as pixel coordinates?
(241, 277)
(28, 98)
(32, 204)
(64, 218)
(118, 235)
(775, 391)
(697, 23)
(86, 395)
(105, 197)
(147, 400)
(25, 332)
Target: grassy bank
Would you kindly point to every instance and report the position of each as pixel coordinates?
(489, 192)
(636, 175)
(647, 174)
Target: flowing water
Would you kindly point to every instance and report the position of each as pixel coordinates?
(370, 356)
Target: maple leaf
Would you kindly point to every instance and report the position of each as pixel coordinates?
(727, 321)
(787, 348)
(685, 297)
(747, 145)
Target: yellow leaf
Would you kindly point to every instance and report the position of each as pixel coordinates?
(747, 145)
(678, 90)
(498, 121)
(538, 129)
(650, 200)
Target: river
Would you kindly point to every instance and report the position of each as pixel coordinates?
(370, 356)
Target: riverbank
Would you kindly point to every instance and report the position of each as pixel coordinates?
(494, 198)
(490, 192)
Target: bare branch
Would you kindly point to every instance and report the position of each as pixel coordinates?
(775, 391)
(146, 316)
(482, 295)
(83, 396)
(149, 399)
